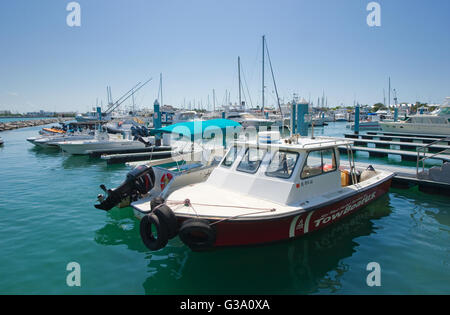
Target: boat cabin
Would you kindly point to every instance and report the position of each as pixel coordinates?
(284, 172)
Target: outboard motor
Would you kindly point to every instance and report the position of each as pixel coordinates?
(147, 143)
(139, 181)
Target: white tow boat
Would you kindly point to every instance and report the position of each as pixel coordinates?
(261, 192)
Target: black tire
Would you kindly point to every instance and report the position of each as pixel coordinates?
(166, 216)
(156, 202)
(197, 234)
(152, 242)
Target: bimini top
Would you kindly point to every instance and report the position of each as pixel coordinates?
(202, 127)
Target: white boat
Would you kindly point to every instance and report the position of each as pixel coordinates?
(340, 117)
(102, 141)
(185, 116)
(52, 141)
(262, 192)
(249, 120)
(429, 124)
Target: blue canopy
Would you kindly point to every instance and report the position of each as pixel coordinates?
(202, 127)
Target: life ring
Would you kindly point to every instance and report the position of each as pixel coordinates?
(165, 179)
(166, 216)
(197, 234)
(152, 242)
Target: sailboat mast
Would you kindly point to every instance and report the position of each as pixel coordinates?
(389, 93)
(161, 88)
(239, 75)
(214, 100)
(263, 50)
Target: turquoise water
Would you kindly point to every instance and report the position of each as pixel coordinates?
(47, 220)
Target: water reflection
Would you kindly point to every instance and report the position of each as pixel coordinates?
(310, 264)
(307, 265)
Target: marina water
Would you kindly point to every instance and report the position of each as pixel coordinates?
(47, 220)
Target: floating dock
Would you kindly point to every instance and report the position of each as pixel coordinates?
(406, 177)
(99, 153)
(411, 139)
(405, 155)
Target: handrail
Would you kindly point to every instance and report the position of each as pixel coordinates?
(422, 148)
(335, 141)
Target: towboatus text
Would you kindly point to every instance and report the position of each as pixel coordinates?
(333, 215)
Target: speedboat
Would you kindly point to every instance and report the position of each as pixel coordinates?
(185, 116)
(53, 141)
(249, 120)
(262, 191)
(102, 141)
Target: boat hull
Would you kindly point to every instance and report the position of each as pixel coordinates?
(86, 148)
(249, 232)
(438, 129)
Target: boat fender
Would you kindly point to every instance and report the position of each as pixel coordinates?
(197, 234)
(166, 216)
(368, 173)
(151, 241)
(156, 202)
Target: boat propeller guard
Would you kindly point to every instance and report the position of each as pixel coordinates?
(139, 181)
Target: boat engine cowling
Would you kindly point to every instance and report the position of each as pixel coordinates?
(139, 181)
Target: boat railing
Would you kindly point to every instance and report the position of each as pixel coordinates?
(422, 157)
(331, 141)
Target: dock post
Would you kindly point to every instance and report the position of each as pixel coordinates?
(395, 114)
(157, 122)
(357, 119)
(302, 110)
(223, 115)
(293, 118)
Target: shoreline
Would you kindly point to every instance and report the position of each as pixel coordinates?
(17, 124)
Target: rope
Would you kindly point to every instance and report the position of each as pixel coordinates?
(187, 203)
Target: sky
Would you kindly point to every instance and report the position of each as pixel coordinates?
(315, 46)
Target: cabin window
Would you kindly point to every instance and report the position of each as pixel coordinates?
(319, 162)
(282, 164)
(251, 160)
(230, 157)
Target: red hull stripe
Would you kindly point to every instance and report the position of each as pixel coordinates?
(233, 232)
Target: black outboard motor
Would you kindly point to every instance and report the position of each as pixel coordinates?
(139, 181)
